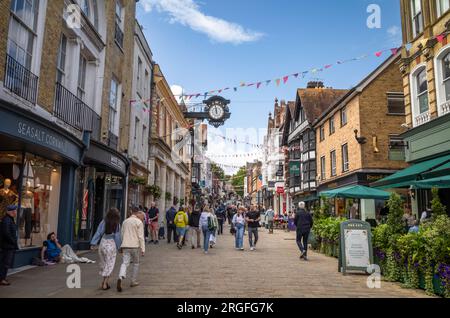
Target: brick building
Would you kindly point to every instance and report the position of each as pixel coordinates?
(425, 69)
(358, 136)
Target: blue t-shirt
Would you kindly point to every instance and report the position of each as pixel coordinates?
(52, 249)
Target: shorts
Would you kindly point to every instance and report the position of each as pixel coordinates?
(181, 231)
(154, 226)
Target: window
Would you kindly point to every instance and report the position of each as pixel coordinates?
(417, 17)
(446, 76)
(343, 116)
(144, 136)
(136, 133)
(345, 163)
(22, 29)
(322, 133)
(139, 70)
(113, 102)
(61, 65)
(119, 12)
(422, 91)
(396, 103)
(81, 93)
(323, 175)
(332, 128)
(306, 142)
(85, 8)
(333, 163)
(442, 6)
(396, 148)
(118, 34)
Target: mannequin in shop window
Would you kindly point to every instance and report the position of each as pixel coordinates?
(27, 212)
(7, 197)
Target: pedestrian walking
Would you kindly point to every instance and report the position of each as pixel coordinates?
(171, 228)
(8, 243)
(153, 225)
(181, 221)
(204, 224)
(194, 227)
(109, 236)
(214, 228)
(253, 217)
(304, 222)
(132, 248)
(270, 214)
(220, 213)
(146, 225)
(238, 224)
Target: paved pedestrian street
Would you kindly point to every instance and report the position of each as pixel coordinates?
(273, 270)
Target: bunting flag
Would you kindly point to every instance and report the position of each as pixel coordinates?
(441, 38)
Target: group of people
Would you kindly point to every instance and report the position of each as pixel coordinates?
(129, 238)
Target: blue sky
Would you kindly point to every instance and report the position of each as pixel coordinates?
(211, 44)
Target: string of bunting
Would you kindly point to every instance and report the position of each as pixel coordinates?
(284, 79)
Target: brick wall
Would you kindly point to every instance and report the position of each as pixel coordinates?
(375, 120)
(343, 135)
(4, 25)
(52, 37)
(119, 62)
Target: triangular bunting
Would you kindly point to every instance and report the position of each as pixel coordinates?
(328, 66)
(378, 54)
(296, 75)
(278, 81)
(285, 79)
(440, 38)
(258, 85)
(268, 82)
(394, 51)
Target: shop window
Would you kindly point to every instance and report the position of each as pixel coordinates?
(39, 204)
(10, 167)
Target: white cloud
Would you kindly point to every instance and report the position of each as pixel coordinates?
(395, 35)
(188, 13)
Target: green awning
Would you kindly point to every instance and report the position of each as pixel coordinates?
(439, 182)
(406, 177)
(356, 192)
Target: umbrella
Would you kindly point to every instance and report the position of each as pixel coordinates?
(357, 192)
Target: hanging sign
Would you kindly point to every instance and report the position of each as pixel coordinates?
(356, 253)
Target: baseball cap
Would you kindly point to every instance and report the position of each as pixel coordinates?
(11, 208)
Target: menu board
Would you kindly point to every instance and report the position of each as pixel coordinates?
(355, 246)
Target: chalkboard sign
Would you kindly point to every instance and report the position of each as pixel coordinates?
(356, 253)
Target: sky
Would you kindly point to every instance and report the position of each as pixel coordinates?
(204, 45)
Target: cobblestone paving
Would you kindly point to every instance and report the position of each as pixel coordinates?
(273, 270)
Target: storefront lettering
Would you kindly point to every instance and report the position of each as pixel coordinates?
(41, 136)
(117, 162)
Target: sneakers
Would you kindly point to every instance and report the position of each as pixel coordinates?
(119, 285)
(156, 242)
(134, 284)
(252, 249)
(5, 283)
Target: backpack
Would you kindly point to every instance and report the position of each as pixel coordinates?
(212, 226)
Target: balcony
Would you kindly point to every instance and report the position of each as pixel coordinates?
(422, 118)
(20, 81)
(444, 108)
(118, 35)
(74, 112)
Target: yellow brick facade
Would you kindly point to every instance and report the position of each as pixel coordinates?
(367, 112)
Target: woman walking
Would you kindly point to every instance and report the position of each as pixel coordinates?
(108, 233)
(238, 224)
(204, 224)
(213, 228)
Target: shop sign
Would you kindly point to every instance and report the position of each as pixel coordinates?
(373, 178)
(294, 169)
(356, 246)
(116, 162)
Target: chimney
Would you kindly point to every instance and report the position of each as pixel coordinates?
(315, 84)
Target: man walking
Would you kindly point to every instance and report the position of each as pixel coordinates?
(153, 215)
(133, 247)
(253, 217)
(220, 213)
(171, 228)
(304, 222)
(8, 243)
(270, 214)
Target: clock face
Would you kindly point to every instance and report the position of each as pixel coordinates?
(216, 112)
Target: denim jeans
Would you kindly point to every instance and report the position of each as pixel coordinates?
(206, 236)
(239, 235)
(252, 231)
(302, 241)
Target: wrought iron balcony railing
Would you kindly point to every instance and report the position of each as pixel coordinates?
(74, 112)
(20, 80)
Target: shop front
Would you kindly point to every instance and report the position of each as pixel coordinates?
(136, 186)
(38, 163)
(101, 186)
(351, 208)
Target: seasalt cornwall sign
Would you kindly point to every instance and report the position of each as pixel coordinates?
(40, 136)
